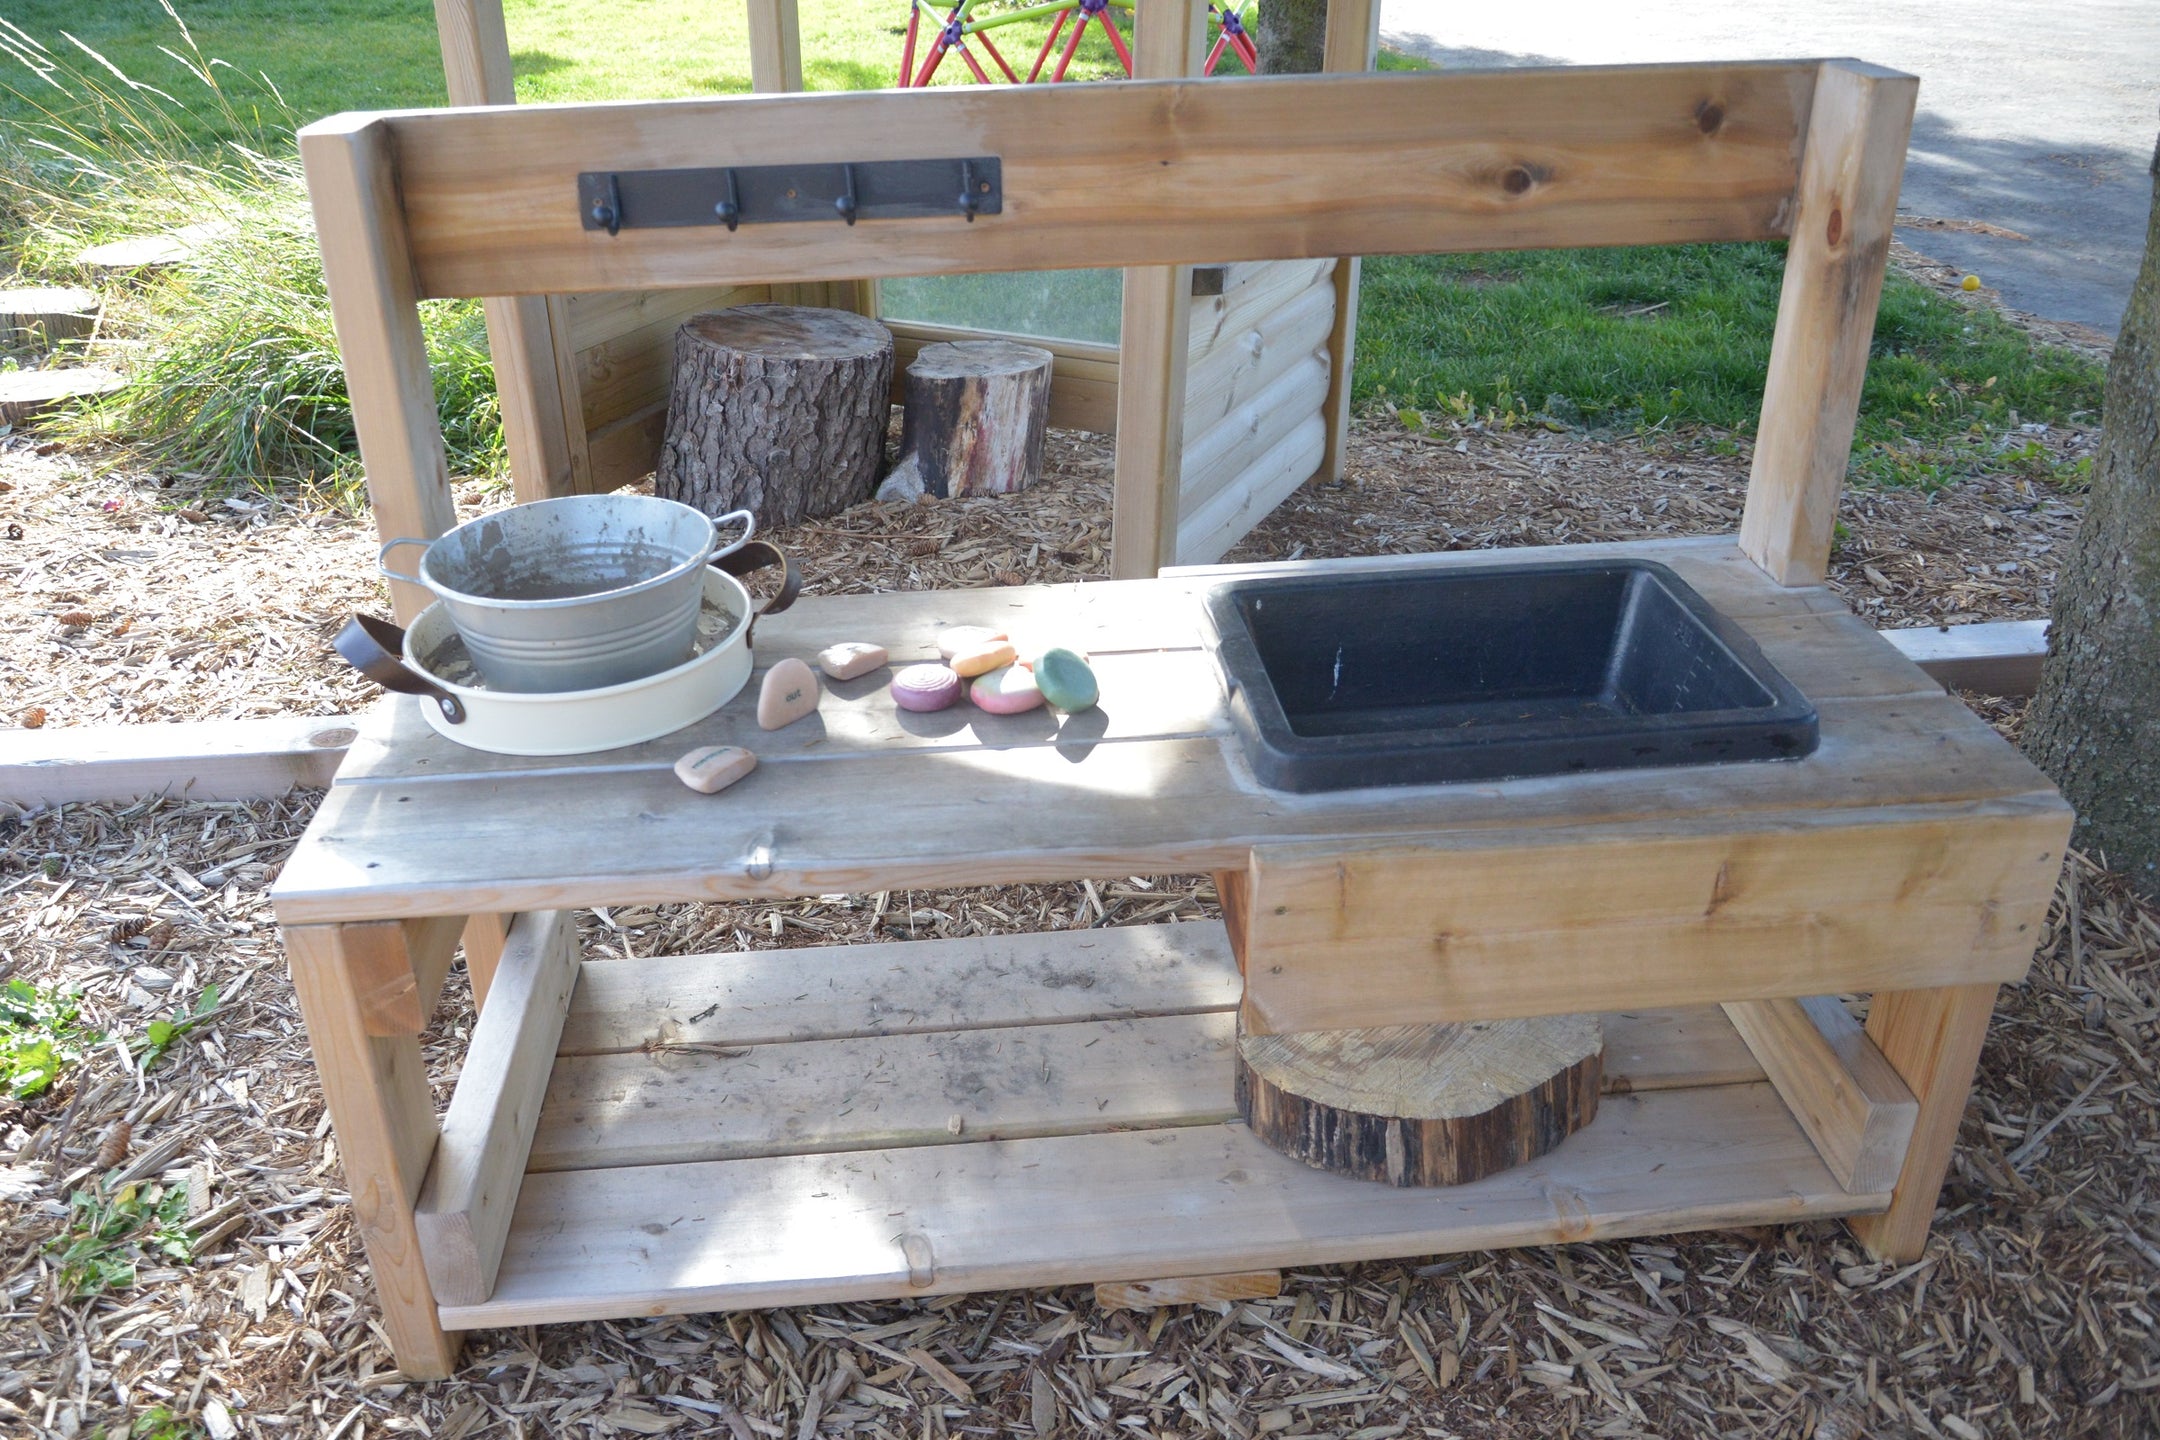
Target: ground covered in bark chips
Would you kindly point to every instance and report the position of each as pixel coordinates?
(175, 1245)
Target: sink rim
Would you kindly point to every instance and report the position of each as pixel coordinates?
(1284, 759)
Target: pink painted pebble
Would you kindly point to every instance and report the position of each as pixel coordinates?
(926, 687)
(1006, 691)
(714, 767)
(982, 659)
(951, 642)
(850, 658)
(790, 692)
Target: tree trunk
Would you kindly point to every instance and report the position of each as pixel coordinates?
(2095, 725)
(1423, 1104)
(975, 417)
(776, 409)
(1291, 36)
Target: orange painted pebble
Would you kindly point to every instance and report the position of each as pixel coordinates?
(982, 659)
(952, 641)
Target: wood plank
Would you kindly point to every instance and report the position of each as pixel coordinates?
(1843, 213)
(1256, 288)
(901, 987)
(1248, 360)
(203, 760)
(1837, 1084)
(599, 316)
(775, 46)
(1486, 927)
(670, 1102)
(1147, 696)
(471, 1193)
(377, 1092)
(367, 262)
(1106, 810)
(1232, 512)
(2001, 657)
(676, 1103)
(1506, 160)
(804, 1229)
(626, 450)
(627, 372)
(400, 967)
(1352, 45)
(1154, 339)
(1188, 1290)
(1933, 1039)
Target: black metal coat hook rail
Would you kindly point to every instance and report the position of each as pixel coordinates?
(775, 194)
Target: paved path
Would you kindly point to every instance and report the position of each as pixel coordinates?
(2038, 118)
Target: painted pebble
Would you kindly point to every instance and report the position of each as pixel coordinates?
(790, 692)
(850, 658)
(951, 642)
(714, 767)
(982, 659)
(1007, 690)
(925, 688)
(1065, 680)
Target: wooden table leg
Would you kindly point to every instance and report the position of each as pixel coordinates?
(484, 935)
(1932, 1038)
(384, 1119)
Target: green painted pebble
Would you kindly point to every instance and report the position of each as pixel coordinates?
(1065, 680)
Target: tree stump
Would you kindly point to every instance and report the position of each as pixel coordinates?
(776, 409)
(46, 317)
(28, 395)
(1423, 1104)
(975, 416)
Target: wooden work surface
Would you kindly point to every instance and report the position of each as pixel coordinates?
(865, 797)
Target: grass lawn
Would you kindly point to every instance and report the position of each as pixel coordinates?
(1617, 338)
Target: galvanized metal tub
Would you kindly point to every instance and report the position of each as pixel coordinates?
(576, 593)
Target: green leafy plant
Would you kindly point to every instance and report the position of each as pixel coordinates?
(159, 1035)
(156, 1423)
(39, 1037)
(108, 1235)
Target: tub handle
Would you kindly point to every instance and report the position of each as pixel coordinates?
(382, 563)
(374, 647)
(751, 557)
(749, 533)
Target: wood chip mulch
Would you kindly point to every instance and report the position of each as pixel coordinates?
(2034, 1312)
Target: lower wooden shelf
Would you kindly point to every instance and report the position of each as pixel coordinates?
(1038, 1110)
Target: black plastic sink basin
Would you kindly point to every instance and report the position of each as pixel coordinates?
(1460, 672)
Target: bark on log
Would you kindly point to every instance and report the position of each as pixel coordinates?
(975, 416)
(776, 409)
(1423, 1104)
(41, 319)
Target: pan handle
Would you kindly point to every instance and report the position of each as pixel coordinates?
(756, 555)
(373, 647)
(382, 560)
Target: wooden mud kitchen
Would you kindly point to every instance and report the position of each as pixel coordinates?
(688, 1133)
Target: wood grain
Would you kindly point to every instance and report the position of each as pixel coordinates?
(1188, 1290)
(1843, 214)
(1379, 164)
(1932, 1038)
(1516, 923)
(1845, 1095)
(1133, 1205)
(465, 1208)
(384, 1118)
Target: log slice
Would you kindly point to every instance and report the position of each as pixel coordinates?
(976, 415)
(1423, 1104)
(776, 409)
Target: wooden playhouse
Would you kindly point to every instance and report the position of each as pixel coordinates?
(677, 1134)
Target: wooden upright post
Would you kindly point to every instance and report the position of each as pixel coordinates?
(775, 47)
(1853, 160)
(521, 329)
(1932, 1038)
(1353, 45)
(360, 227)
(376, 1088)
(1154, 336)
